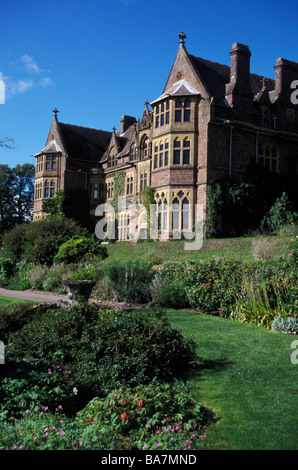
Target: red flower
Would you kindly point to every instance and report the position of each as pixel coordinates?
(140, 403)
(124, 416)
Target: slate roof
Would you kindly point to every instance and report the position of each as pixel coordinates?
(83, 142)
(215, 76)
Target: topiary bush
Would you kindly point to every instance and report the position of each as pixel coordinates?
(80, 249)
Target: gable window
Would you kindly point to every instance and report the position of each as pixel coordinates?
(145, 148)
(112, 159)
(133, 152)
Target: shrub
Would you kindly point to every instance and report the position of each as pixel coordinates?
(39, 241)
(130, 279)
(14, 316)
(105, 348)
(281, 213)
(285, 325)
(261, 248)
(146, 417)
(80, 248)
(36, 276)
(173, 296)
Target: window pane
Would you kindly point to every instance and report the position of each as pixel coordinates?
(178, 115)
(176, 157)
(166, 158)
(187, 115)
(186, 157)
(178, 104)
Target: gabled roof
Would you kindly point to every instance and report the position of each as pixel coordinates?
(122, 142)
(52, 147)
(84, 143)
(216, 76)
(180, 88)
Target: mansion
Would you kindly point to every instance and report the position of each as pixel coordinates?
(210, 121)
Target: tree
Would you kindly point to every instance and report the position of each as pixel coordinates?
(16, 195)
(72, 204)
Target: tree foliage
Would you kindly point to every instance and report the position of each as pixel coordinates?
(16, 195)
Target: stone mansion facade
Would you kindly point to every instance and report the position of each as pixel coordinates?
(211, 120)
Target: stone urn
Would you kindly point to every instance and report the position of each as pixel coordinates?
(78, 290)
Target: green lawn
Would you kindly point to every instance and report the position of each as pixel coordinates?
(230, 248)
(8, 300)
(247, 380)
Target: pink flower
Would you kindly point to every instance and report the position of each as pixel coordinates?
(158, 444)
(204, 285)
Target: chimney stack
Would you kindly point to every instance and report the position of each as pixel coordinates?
(239, 73)
(285, 73)
(126, 122)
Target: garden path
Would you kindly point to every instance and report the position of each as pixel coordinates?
(49, 297)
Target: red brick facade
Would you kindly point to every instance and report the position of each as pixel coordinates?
(211, 121)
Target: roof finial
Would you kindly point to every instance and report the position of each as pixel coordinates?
(55, 111)
(146, 103)
(114, 129)
(182, 36)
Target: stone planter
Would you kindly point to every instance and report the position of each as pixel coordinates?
(78, 290)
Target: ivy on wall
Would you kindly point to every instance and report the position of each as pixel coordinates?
(119, 180)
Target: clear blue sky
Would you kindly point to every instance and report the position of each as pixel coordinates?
(96, 60)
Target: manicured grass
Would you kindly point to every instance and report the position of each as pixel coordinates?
(246, 379)
(230, 248)
(8, 300)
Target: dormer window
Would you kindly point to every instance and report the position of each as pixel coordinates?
(112, 159)
(133, 152)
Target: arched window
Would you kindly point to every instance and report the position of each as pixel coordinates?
(133, 152)
(145, 148)
(46, 188)
(112, 158)
(185, 214)
(52, 189)
(175, 214)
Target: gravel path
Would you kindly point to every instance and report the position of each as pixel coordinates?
(47, 297)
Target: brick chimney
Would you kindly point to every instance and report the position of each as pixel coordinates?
(239, 73)
(285, 73)
(126, 122)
